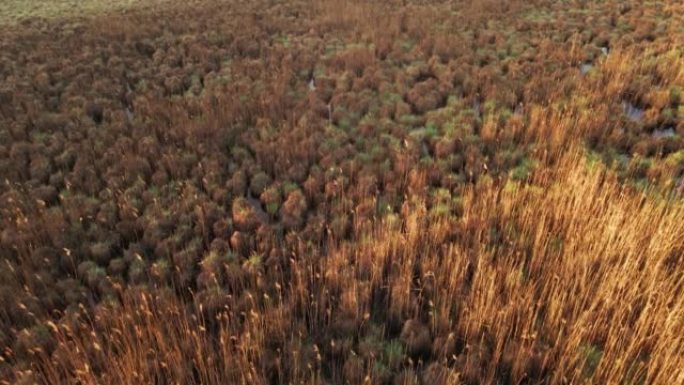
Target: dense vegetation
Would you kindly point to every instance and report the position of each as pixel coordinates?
(343, 192)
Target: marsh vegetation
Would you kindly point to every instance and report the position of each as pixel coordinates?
(342, 192)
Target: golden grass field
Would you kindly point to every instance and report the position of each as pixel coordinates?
(342, 192)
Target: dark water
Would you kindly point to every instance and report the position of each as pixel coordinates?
(585, 68)
(633, 112)
(425, 148)
(667, 132)
(256, 205)
(518, 109)
(129, 114)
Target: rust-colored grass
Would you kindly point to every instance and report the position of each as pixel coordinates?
(343, 192)
(572, 278)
